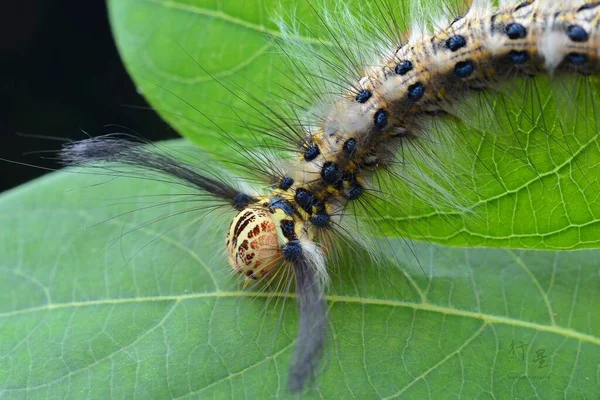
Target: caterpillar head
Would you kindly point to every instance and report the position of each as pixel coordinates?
(254, 240)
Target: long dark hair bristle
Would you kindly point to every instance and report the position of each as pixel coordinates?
(119, 150)
(310, 339)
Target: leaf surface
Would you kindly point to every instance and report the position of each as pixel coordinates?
(100, 302)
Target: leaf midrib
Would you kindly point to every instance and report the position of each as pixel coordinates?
(424, 306)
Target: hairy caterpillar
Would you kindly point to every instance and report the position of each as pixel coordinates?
(379, 114)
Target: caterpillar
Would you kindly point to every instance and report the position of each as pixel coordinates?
(382, 109)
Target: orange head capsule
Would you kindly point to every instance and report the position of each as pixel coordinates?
(253, 242)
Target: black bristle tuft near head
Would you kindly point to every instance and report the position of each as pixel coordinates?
(241, 201)
(120, 151)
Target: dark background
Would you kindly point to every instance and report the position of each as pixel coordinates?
(60, 75)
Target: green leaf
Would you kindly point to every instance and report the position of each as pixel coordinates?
(98, 307)
(99, 302)
(201, 60)
(524, 162)
(527, 173)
